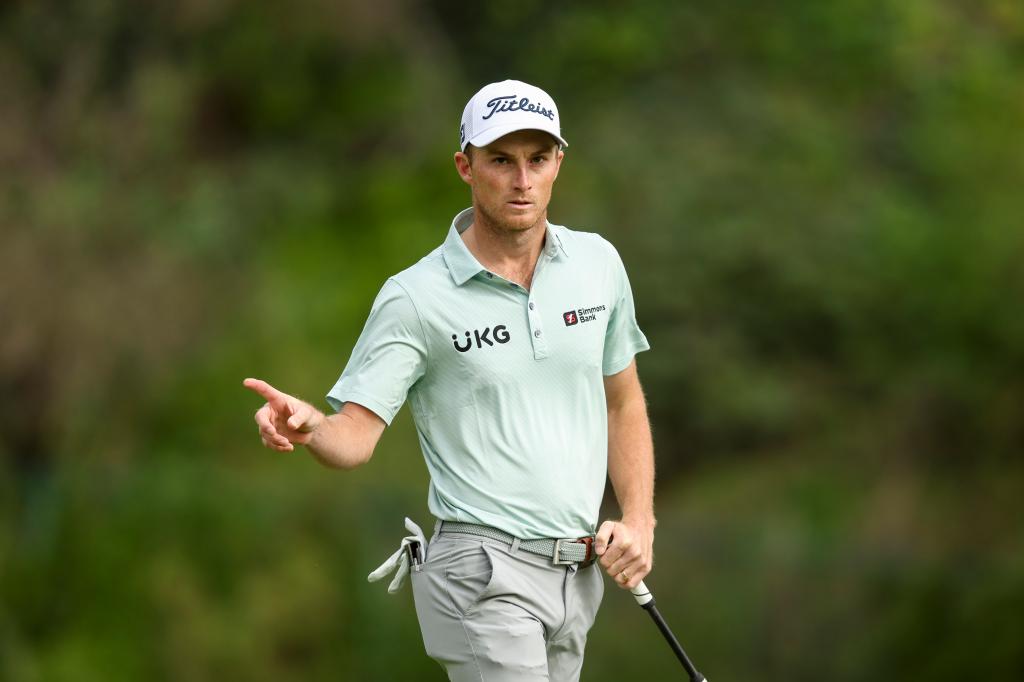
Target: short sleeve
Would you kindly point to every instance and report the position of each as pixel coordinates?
(388, 358)
(623, 338)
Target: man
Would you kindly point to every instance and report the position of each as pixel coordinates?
(514, 342)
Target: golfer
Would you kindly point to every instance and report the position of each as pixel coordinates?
(514, 343)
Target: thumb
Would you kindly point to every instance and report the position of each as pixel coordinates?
(297, 415)
(604, 536)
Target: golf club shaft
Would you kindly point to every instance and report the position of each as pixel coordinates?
(645, 599)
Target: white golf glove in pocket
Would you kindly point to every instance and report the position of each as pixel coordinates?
(400, 559)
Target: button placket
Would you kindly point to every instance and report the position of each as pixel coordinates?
(540, 347)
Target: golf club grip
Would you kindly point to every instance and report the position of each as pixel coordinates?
(642, 594)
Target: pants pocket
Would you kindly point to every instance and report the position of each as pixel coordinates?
(469, 575)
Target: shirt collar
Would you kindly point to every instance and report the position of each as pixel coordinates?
(463, 265)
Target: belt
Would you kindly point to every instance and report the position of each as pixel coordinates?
(562, 552)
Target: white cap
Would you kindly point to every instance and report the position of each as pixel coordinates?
(502, 108)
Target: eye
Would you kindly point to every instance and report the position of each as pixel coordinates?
(500, 160)
(539, 159)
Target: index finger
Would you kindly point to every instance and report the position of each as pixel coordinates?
(271, 394)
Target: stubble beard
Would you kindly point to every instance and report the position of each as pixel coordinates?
(498, 224)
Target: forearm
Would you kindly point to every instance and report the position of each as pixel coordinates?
(631, 459)
(339, 443)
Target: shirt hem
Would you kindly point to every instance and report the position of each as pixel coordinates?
(337, 400)
(623, 362)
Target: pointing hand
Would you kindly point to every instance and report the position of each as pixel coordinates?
(284, 420)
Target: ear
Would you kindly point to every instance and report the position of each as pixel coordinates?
(559, 155)
(463, 166)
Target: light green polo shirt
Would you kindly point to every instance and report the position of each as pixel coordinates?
(505, 384)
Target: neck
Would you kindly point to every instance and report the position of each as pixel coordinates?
(510, 253)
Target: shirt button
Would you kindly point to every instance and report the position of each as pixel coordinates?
(536, 333)
(531, 305)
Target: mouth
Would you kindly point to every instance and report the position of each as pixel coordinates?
(520, 203)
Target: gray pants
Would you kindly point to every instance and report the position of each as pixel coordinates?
(491, 614)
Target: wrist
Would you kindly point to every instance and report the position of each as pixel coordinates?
(643, 519)
(316, 421)
(312, 429)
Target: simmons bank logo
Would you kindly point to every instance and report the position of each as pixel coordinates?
(581, 315)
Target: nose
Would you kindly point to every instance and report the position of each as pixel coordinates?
(522, 179)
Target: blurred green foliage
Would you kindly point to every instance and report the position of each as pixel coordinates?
(820, 208)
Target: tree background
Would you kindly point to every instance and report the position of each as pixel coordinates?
(820, 207)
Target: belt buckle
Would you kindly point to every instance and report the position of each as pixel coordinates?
(555, 556)
(587, 557)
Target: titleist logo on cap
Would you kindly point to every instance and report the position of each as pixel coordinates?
(498, 109)
(509, 103)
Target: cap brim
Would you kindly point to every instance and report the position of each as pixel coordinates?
(491, 134)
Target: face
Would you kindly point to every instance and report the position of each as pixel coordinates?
(512, 178)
